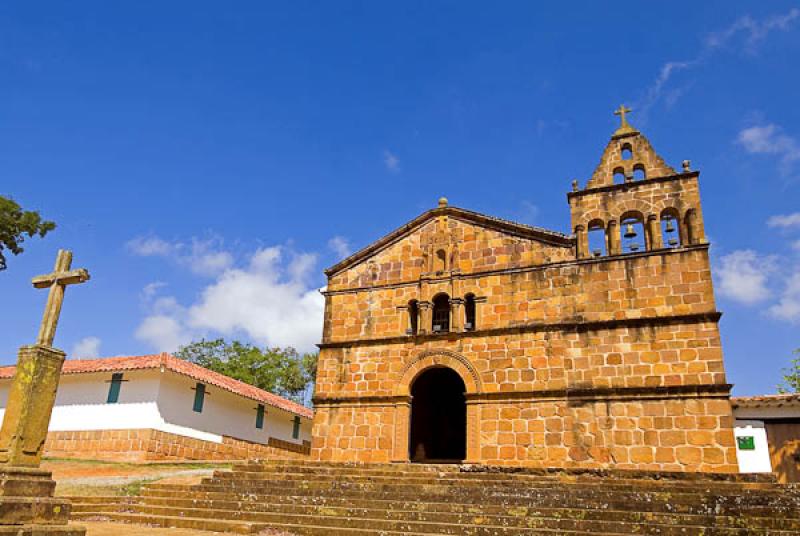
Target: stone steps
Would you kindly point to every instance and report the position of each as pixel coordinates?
(337, 499)
(39, 530)
(216, 525)
(451, 492)
(277, 501)
(372, 483)
(468, 479)
(496, 515)
(306, 529)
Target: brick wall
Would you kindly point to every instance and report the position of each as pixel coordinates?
(155, 445)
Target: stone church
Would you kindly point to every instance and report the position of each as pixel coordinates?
(461, 337)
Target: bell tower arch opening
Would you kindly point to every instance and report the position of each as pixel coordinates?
(438, 417)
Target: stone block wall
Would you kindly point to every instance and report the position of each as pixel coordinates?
(662, 434)
(622, 287)
(154, 445)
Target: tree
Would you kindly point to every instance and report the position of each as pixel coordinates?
(791, 376)
(15, 223)
(282, 371)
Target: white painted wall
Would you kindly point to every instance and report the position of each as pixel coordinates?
(753, 461)
(81, 402)
(224, 413)
(162, 401)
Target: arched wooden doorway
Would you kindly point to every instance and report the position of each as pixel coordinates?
(438, 431)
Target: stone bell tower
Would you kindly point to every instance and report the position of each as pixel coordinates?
(632, 184)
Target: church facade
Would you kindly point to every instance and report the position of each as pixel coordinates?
(461, 337)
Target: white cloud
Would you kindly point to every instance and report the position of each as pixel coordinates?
(785, 220)
(151, 289)
(743, 276)
(202, 256)
(788, 307)
(340, 246)
(768, 139)
(268, 301)
(391, 161)
(752, 30)
(164, 333)
(86, 348)
(149, 247)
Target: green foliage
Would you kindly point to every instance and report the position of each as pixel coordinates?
(282, 371)
(15, 223)
(791, 376)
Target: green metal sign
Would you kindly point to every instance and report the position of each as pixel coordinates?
(746, 442)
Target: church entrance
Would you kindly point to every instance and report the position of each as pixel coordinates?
(438, 417)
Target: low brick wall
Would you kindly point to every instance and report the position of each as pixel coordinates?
(155, 445)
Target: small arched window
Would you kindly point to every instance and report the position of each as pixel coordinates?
(627, 154)
(638, 172)
(440, 261)
(632, 230)
(619, 176)
(413, 317)
(441, 313)
(597, 239)
(469, 312)
(670, 229)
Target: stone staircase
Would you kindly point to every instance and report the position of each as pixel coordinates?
(307, 498)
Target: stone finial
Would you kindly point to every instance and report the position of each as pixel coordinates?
(574, 185)
(442, 202)
(687, 165)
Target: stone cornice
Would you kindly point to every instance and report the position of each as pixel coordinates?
(633, 184)
(576, 326)
(588, 394)
(522, 269)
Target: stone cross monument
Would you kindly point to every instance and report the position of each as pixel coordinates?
(26, 492)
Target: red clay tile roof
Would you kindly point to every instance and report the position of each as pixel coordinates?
(179, 366)
(789, 399)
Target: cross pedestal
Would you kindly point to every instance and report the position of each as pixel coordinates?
(27, 504)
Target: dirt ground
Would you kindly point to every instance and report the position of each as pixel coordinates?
(86, 477)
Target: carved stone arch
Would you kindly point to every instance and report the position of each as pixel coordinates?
(636, 205)
(439, 358)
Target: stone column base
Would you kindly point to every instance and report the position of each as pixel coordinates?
(27, 505)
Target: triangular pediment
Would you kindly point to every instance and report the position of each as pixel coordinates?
(628, 152)
(449, 224)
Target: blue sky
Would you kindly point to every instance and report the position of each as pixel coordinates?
(206, 160)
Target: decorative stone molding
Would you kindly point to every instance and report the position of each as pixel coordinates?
(439, 358)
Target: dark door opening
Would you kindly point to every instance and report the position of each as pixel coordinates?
(438, 417)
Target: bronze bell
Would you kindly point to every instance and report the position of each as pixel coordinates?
(670, 226)
(630, 232)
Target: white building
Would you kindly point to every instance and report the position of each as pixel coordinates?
(767, 431)
(158, 407)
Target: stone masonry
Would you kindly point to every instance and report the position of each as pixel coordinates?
(569, 356)
(155, 445)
